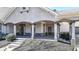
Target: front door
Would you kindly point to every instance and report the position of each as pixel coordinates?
(22, 29)
(49, 30)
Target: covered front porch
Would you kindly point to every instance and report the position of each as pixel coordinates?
(37, 30)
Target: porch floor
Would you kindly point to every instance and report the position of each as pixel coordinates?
(36, 37)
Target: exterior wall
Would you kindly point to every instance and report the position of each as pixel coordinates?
(27, 28)
(9, 28)
(17, 28)
(51, 25)
(64, 27)
(77, 24)
(38, 28)
(77, 27)
(34, 15)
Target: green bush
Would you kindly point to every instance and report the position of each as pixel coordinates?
(48, 33)
(10, 37)
(2, 37)
(65, 35)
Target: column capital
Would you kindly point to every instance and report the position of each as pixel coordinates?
(4, 24)
(71, 22)
(14, 24)
(43, 22)
(33, 24)
(57, 23)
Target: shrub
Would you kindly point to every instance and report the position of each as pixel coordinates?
(65, 35)
(48, 33)
(10, 37)
(2, 36)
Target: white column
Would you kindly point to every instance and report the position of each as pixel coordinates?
(73, 39)
(55, 31)
(14, 29)
(33, 27)
(24, 29)
(45, 28)
(70, 30)
(2, 28)
(73, 30)
(41, 27)
(58, 30)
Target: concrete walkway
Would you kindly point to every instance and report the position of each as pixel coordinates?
(77, 42)
(77, 47)
(13, 45)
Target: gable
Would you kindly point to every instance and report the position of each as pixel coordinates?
(35, 14)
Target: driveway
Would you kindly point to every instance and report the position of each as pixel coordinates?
(40, 45)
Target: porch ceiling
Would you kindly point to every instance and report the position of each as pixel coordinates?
(18, 22)
(64, 20)
(68, 14)
(44, 21)
(23, 23)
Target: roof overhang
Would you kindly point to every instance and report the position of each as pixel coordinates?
(50, 11)
(68, 14)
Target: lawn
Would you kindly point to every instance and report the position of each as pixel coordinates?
(39, 45)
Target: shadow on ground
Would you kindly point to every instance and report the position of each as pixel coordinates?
(39, 45)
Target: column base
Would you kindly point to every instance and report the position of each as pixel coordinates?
(73, 43)
(55, 39)
(32, 37)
